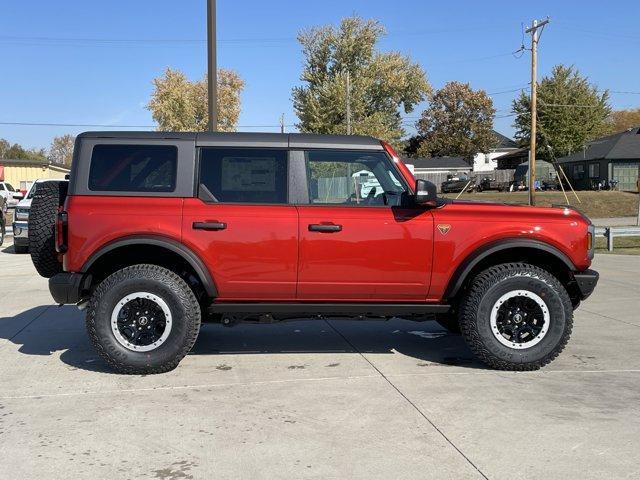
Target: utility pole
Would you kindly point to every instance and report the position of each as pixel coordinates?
(282, 123)
(348, 104)
(213, 67)
(533, 29)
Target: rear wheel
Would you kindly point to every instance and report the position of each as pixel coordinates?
(143, 319)
(516, 317)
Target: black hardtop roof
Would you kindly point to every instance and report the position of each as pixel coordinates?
(249, 139)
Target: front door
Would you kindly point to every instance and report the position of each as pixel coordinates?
(357, 240)
(242, 224)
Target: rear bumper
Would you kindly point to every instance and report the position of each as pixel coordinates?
(69, 287)
(586, 282)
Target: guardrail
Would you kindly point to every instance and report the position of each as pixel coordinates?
(611, 232)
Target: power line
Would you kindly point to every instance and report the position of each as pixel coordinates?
(97, 40)
(619, 92)
(128, 41)
(524, 87)
(542, 104)
(96, 125)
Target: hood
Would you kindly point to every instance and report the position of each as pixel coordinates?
(24, 203)
(516, 210)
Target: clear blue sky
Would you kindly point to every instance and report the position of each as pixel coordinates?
(44, 78)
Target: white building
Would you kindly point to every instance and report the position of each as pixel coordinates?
(487, 162)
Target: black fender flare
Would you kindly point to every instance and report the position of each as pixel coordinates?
(157, 240)
(473, 259)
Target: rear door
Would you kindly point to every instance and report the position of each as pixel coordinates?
(242, 224)
(358, 239)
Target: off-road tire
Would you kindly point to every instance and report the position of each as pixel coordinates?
(182, 303)
(48, 198)
(486, 288)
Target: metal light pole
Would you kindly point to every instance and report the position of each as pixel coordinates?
(213, 68)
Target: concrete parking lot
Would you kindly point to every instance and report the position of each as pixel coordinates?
(318, 399)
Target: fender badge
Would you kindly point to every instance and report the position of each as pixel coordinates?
(444, 228)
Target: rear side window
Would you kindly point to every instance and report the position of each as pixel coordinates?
(133, 168)
(243, 175)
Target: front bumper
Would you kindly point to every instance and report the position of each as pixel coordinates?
(69, 288)
(586, 282)
(20, 230)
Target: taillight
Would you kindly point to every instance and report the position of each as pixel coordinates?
(62, 223)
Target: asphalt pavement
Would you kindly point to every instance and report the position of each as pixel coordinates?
(318, 399)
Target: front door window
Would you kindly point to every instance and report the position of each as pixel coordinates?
(353, 179)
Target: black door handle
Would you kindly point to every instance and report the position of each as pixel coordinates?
(209, 225)
(326, 228)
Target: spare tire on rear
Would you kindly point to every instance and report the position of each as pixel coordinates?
(49, 196)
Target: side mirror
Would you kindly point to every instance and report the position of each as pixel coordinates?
(426, 193)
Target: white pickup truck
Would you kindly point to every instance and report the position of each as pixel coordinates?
(10, 194)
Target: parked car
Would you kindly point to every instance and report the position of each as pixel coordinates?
(488, 183)
(157, 232)
(20, 223)
(455, 184)
(10, 194)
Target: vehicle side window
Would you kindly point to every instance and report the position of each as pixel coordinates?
(352, 178)
(1, 187)
(243, 175)
(10, 187)
(133, 168)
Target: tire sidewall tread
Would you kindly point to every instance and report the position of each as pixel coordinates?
(48, 198)
(185, 312)
(490, 285)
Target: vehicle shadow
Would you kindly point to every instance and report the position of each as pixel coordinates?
(46, 330)
(11, 250)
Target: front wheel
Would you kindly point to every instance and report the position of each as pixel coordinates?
(516, 317)
(143, 319)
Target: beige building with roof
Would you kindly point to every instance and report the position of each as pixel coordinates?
(21, 173)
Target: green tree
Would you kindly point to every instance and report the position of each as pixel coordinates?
(178, 104)
(621, 120)
(458, 122)
(571, 111)
(379, 83)
(8, 150)
(61, 150)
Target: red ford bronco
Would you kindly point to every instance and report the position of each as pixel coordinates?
(157, 232)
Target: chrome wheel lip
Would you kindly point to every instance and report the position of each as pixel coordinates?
(121, 338)
(494, 319)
